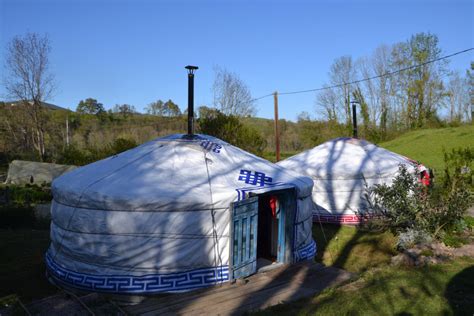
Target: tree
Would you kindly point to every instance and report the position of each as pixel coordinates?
(419, 90)
(156, 108)
(337, 100)
(230, 129)
(160, 108)
(327, 99)
(377, 91)
(458, 98)
(470, 80)
(231, 94)
(124, 109)
(205, 111)
(171, 109)
(29, 80)
(90, 106)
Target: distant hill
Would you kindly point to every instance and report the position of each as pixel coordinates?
(427, 145)
(44, 104)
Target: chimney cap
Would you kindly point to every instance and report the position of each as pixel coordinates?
(191, 69)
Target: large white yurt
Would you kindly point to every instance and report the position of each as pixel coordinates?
(342, 169)
(174, 214)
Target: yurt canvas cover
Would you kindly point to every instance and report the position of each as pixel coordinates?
(174, 214)
(342, 169)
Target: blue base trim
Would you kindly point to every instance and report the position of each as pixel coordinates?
(306, 252)
(145, 284)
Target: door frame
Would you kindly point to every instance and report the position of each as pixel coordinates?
(286, 227)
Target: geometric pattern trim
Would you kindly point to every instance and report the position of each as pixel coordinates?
(343, 219)
(151, 283)
(306, 252)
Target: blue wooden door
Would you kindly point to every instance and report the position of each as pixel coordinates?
(244, 237)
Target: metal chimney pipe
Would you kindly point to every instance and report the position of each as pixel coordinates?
(191, 70)
(354, 119)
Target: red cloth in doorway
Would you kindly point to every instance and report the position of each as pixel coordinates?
(273, 205)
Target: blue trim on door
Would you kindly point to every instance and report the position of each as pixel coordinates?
(244, 231)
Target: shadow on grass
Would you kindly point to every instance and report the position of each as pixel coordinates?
(460, 292)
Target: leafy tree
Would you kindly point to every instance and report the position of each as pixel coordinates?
(420, 89)
(90, 106)
(156, 108)
(205, 111)
(230, 129)
(171, 108)
(124, 109)
(160, 108)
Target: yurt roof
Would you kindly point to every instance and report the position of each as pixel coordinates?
(345, 158)
(173, 173)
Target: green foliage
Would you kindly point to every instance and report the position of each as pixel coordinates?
(458, 170)
(124, 110)
(72, 155)
(160, 108)
(469, 221)
(407, 205)
(122, 144)
(90, 106)
(402, 203)
(25, 195)
(230, 129)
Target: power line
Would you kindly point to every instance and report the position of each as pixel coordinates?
(387, 74)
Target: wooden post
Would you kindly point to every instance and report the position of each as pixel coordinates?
(277, 132)
(67, 131)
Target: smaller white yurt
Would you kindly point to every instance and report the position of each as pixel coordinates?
(175, 214)
(342, 169)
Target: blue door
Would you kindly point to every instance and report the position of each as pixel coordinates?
(244, 237)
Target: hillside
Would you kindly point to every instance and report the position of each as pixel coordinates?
(427, 145)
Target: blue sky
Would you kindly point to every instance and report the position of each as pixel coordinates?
(135, 51)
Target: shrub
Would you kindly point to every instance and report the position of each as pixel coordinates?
(230, 129)
(25, 195)
(411, 210)
(72, 155)
(411, 237)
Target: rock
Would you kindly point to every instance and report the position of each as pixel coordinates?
(403, 259)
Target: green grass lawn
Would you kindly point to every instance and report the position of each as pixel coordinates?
(353, 249)
(427, 145)
(22, 264)
(382, 289)
(444, 289)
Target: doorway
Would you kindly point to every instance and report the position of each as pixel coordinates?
(262, 232)
(269, 219)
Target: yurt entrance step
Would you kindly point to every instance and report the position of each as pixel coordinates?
(260, 234)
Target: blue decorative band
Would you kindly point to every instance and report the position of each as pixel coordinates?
(146, 284)
(306, 252)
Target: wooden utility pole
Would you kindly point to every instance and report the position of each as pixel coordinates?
(277, 132)
(67, 131)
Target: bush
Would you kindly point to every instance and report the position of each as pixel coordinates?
(72, 155)
(25, 195)
(411, 210)
(230, 129)
(411, 237)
